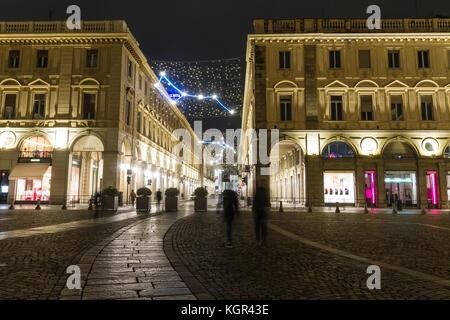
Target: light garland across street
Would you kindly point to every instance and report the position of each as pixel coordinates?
(182, 94)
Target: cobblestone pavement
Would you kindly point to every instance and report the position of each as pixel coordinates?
(319, 255)
(131, 264)
(33, 264)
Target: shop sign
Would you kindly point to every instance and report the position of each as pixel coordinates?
(398, 180)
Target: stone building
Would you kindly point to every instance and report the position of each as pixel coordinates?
(363, 115)
(79, 111)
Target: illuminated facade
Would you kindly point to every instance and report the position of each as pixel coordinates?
(364, 115)
(79, 112)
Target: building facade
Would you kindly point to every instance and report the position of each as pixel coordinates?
(363, 115)
(79, 111)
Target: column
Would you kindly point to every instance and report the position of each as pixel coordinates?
(60, 174)
(442, 186)
(111, 169)
(381, 188)
(314, 181)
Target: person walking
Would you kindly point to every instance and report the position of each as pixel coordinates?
(230, 208)
(132, 197)
(158, 197)
(260, 208)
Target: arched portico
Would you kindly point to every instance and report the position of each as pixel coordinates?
(85, 168)
(287, 178)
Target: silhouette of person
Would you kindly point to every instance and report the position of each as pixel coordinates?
(260, 208)
(132, 197)
(158, 196)
(230, 207)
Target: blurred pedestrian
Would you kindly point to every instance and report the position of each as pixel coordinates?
(260, 209)
(230, 208)
(158, 197)
(132, 197)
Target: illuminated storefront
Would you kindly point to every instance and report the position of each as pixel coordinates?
(432, 189)
(339, 187)
(370, 188)
(32, 182)
(4, 185)
(448, 185)
(401, 186)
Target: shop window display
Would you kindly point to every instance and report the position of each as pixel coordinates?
(339, 187)
(34, 189)
(401, 186)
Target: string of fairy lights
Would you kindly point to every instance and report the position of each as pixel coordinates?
(180, 94)
(223, 78)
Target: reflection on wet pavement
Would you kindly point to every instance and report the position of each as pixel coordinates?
(95, 221)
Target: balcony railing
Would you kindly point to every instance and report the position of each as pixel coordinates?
(35, 155)
(350, 26)
(113, 26)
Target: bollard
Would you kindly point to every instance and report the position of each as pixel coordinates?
(11, 207)
(337, 208)
(394, 208)
(424, 211)
(281, 206)
(365, 208)
(64, 206)
(310, 208)
(38, 206)
(90, 204)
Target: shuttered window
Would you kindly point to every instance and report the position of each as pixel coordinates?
(366, 108)
(364, 58)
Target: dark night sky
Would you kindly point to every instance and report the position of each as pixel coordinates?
(208, 29)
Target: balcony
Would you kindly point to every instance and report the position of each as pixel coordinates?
(35, 157)
(349, 26)
(113, 26)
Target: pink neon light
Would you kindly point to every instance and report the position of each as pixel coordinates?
(433, 187)
(372, 182)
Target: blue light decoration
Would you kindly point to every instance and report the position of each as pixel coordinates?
(176, 94)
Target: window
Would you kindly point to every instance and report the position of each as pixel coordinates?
(139, 122)
(127, 112)
(366, 108)
(285, 59)
(423, 58)
(394, 59)
(364, 58)
(89, 106)
(146, 88)
(448, 58)
(140, 82)
(39, 106)
(42, 59)
(427, 107)
(336, 108)
(10, 106)
(335, 59)
(13, 61)
(91, 58)
(396, 108)
(130, 69)
(286, 108)
(338, 149)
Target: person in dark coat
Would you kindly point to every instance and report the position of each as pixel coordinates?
(159, 196)
(260, 209)
(133, 197)
(230, 208)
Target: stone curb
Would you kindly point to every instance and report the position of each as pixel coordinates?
(183, 271)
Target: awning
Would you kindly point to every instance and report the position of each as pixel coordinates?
(29, 170)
